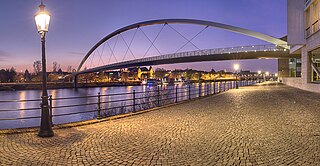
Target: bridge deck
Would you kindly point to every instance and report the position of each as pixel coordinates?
(270, 124)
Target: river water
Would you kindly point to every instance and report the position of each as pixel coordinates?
(146, 97)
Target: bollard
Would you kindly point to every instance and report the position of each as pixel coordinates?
(99, 106)
(134, 100)
(199, 89)
(50, 109)
(176, 94)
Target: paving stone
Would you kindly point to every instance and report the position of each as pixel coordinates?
(269, 124)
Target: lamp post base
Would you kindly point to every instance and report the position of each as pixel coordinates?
(45, 133)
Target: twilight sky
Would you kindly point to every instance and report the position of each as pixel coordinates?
(76, 25)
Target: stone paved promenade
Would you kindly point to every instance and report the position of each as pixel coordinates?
(257, 125)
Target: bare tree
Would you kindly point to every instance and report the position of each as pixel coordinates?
(37, 67)
(69, 69)
(55, 67)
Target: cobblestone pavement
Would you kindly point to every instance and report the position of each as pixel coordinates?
(257, 125)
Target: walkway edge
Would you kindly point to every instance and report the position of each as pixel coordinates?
(93, 121)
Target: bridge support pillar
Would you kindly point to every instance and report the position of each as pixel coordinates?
(75, 81)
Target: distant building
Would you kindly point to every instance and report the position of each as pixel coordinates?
(112, 76)
(136, 73)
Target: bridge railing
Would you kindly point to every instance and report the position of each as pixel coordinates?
(71, 109)
(228, 50)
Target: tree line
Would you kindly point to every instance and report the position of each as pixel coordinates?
(11, 75)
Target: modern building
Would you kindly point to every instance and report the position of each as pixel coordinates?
(304, 39)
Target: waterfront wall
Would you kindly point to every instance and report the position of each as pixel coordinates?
(298, 83)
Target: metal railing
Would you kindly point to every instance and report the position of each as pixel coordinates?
(106, 105)
(215, 51)
(229, 50)
(312, 29)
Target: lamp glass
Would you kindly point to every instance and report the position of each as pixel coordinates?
(42, 21)
(236, 66)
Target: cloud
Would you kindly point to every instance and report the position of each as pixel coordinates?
(4, 54)
(77, 53)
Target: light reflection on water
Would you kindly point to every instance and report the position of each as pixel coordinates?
(59, 93)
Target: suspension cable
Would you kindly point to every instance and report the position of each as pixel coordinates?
(112, 50)
(91, 58)
(128, 48)
(189, 41)
(150, 42)
(130, 44)
(183, 36)
(102, 53)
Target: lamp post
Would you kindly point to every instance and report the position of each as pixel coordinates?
(42, 19)
(236, 67)
(267, 76)
(259, 75)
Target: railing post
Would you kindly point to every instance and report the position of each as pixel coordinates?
(50, 109)
(99, 106)
(189, 92)
(208, 88)
(176, 94)
(214, 87)
(158, 94)
(199, 89)
(134, 100)
(224, 86)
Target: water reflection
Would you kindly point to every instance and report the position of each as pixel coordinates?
(106, 101)
(22, 96)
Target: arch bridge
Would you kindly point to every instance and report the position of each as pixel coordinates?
(277, 49)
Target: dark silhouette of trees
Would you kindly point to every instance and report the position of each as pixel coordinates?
(27, 76)
(8, 75)
(37, 65)
(55, 67)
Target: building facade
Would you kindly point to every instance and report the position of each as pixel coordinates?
(304, 39)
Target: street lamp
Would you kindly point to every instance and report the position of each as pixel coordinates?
(236, 68)
(266, 75)
(42, 19)
(259, 72)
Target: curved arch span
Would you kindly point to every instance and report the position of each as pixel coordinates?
(243, 31)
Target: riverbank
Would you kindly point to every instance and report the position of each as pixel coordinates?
(64, 85)
(61, 85)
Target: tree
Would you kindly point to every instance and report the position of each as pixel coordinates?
(12, 75)
(3, 75)
(27, 76)
(69, 69)
(160, 73)
(37, 67)
(8, 75)
(54, 67)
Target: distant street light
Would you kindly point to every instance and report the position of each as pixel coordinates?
(236, 68)
(42, 19)
(259, 73)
